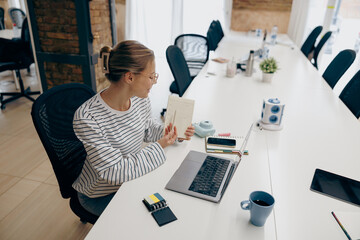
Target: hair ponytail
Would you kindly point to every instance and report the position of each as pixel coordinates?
(126, 56)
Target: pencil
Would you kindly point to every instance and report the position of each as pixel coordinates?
(337, 220)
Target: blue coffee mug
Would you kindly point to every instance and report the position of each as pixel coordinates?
(260, 205)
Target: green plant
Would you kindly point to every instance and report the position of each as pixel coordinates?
(269, 65)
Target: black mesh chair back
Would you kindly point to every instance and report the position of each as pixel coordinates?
(52, 114)
(2, 17)
(195, 49)
(319, 46)
(309, 45)
(17, 16)
(179, 69)
(350, 95)
(338, 66)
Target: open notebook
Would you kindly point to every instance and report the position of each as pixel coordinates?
(179, 112)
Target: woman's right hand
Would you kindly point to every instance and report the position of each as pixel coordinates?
(169, 136)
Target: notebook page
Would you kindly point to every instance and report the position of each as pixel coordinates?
(179, 112)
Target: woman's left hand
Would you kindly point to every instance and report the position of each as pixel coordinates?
(188, 133)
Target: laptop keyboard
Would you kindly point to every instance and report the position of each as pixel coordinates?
(208, 180)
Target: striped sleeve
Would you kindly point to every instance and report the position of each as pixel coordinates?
(154, 130)
(108, 162)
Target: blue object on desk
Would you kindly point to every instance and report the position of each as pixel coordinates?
(204, 128)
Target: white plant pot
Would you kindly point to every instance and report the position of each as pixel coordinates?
(267, 77)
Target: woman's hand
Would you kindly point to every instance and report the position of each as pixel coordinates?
(188, 133)
(169, 136)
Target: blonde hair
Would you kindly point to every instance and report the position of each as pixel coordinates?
(126, 56)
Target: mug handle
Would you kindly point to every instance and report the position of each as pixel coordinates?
(245, 205)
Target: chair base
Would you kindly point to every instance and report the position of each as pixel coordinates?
(15, 95)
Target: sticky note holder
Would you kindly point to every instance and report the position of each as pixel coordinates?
(159, 209)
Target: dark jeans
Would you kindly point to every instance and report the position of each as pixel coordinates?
(95, 205)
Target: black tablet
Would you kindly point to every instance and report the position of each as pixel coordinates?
(336, 186)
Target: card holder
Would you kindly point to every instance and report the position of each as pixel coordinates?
(159, 209)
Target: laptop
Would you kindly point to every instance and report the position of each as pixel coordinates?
(205, 176)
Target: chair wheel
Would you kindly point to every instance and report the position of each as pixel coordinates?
(2, 106)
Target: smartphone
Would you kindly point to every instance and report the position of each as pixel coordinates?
(336, 186)
(227, 142)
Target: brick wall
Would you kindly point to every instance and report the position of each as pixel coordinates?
(58, 33)
(264, 14)
(101, 29)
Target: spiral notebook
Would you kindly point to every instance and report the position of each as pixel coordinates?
(159, 209)
(223, 149)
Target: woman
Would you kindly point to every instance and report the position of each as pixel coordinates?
(114, 124)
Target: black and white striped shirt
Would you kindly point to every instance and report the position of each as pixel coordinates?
(114, 141)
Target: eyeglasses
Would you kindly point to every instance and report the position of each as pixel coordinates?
(154, 76)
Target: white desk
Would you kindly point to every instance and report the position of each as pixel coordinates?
(319, 132)
(6, 33)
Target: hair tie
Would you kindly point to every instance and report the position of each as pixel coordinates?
(105, 62)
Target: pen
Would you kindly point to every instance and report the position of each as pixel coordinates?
(173, 120)
(337, 220)
(222, 150)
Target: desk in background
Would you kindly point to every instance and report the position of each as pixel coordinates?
(319, 132)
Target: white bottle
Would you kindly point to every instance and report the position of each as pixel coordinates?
(273, 35)
(357, 44)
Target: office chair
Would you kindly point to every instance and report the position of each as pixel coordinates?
(179, 69)
(212, 39)
(195, 49)
(17, 16)
(216, 27)
(52, 114)
(2, 16)
(318, 48)
(338, 66)
(309, 45)
(350, 95)
(221, 32)
(16, 54)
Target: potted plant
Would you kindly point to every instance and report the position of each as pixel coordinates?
(268, 66)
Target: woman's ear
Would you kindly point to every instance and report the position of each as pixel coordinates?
(129, 77)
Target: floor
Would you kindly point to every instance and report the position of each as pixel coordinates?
(31, 206)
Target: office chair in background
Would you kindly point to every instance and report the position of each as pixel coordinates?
(219, 28)
(212, 39)
(214, 34)
(309, 45)
(2, 17)
(179, 69)
(338, 66)
(16, 54)
(350, 95)
(195, 49)
(318, 48)
(52, 114)
(17, 16)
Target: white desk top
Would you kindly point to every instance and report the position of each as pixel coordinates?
(7, 33)
(319, 132)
